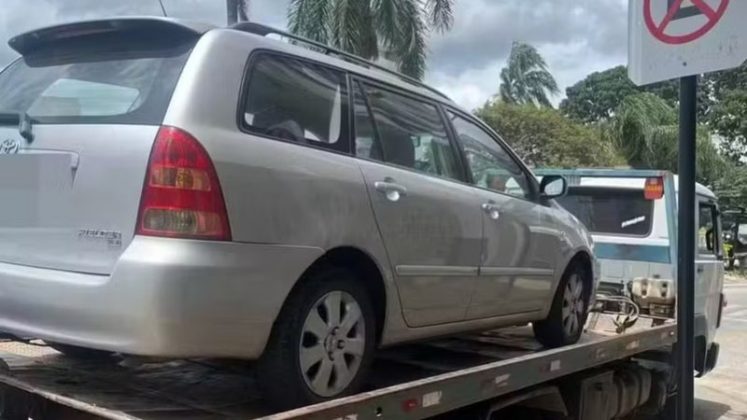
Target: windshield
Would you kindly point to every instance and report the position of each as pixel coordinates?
(611, 211)
(92, 87)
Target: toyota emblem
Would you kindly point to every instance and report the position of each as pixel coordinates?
(9, 147)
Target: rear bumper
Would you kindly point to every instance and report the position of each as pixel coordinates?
(165, 297)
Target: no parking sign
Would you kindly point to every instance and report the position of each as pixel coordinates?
(675, 38)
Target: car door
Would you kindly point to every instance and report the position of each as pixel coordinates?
(430, 223)
(521, 242)
(709, 266)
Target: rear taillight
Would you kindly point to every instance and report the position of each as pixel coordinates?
(654, 188)
(182, 197)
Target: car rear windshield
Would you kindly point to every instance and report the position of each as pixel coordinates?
(125, 84)
(611, 211)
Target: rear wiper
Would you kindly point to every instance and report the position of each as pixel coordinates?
(21, 119)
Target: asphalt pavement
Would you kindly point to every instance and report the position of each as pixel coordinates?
(722, 394)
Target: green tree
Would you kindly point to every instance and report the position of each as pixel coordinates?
(729, 120)
(544, 137)
(396, 29)
(645, 129)
(731, 189)
(596, 97)
(728, 115)
(526, 78)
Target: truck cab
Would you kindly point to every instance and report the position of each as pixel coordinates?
(632, 216)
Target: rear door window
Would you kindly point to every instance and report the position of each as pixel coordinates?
(127, 85)
(297, 101)
(409, 133)
(610, 211)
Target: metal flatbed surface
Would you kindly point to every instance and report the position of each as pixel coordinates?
(414, 381)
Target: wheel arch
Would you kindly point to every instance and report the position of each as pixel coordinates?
(366, 270)
(583, 259)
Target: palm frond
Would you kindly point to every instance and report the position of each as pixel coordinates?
(440, 14)
(527, 77)
(640, 121)
(345, 27)
(409, 46)
(310, 18)
(385, 19)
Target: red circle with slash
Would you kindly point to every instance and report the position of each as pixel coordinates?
(659, 30)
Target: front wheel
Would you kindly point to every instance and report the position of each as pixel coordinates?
(322, 342)
(570, 308)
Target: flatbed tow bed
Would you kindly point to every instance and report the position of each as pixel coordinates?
(414, 381)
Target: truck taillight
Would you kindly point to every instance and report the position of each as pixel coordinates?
(182, 196)
(654, 188)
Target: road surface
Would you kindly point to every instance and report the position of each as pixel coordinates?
(722, 394)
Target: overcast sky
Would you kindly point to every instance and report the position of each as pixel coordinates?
(576, 37)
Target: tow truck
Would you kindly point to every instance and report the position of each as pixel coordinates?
(622, 367)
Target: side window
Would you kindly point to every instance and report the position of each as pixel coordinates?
(296, 101)
(491, 166)
(410, 133)
(708, 235)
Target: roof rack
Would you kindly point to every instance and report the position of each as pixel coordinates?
(263, 30)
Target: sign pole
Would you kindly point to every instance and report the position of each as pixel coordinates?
(686, 247)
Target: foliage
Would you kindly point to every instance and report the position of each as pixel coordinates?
(729, 120)
(544, 137)
(728, 116)
(596, 97)
(731, 189)
(645, 129)
(396, 29)
(526, 78)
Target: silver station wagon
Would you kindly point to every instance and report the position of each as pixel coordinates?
(178, 190)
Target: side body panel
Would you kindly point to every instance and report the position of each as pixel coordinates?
(519, 258)
(432, 235)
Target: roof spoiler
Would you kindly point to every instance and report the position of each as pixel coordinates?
(30, 41)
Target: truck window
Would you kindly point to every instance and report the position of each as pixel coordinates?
(610, 211)
(707, 229)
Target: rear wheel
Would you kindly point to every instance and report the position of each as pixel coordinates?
(80, 353)
(322, 342)
(568, 313)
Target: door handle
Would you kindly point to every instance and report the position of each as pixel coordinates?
(491, 210)
(699, 269)
(391, 189)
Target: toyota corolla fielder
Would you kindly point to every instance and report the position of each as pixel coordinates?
(178, 190)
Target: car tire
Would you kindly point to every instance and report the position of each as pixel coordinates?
(79, 353)
(570, 308)
(313, 353)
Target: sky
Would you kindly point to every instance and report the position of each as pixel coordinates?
(576, 37)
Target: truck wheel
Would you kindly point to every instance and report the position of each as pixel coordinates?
(80, 353)
(568, 313)
(322, 343)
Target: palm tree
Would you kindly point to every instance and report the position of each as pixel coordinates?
(526, 79)
(237, 11)
(394, 29)
(645, 129)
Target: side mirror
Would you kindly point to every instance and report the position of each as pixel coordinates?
(553, 186)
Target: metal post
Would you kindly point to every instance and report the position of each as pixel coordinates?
(232, 12)
(686, 247)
